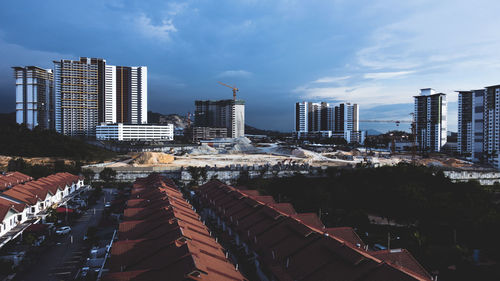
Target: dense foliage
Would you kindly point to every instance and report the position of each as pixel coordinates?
(39, 170)
(440, 222)
(17, 140)
(107, 175)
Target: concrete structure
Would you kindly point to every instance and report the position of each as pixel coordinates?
(471, 124)
(301, 118)
(491, 126)
(34, 97)
(229, 114)
(134, 132)
(430, 118)
(479, 125)
(326, 120)
(206, 133)
(131, 94)
(110, 115)
(313, 117)
(88, 92)
(79, 88)
(347, 123)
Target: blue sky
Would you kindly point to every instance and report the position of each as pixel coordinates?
(374, 53)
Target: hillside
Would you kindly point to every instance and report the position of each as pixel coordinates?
(158, 118)
(182, 122)
(17, 140)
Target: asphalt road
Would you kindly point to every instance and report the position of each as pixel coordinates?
(62, 260)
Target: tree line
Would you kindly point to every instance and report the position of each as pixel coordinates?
(444, 222)
(17, 140)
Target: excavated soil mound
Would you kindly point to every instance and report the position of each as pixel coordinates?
(145, 158)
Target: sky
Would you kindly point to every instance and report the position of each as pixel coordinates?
(277, 52)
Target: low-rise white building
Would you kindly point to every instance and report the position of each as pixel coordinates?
(134, 132)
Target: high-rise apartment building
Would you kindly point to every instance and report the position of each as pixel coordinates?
(131, 94)
(228, 114)
(347, 123)
(79, 95)
(470, 124)
(325, 119)
(110, 102)
(301, 118)
(313, 117)
(430, 120)
(34, 97)
(88, 92)
(491, 125)
(479, 125)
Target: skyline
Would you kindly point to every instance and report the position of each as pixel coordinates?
(277, 53)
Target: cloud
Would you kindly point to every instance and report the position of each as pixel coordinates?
(367, 95)
(386, 75)
(17, 55)
(161, 31)
(331, 79)
(175, 8)
(235, 73)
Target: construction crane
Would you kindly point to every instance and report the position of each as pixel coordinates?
(387, 121)
(235, 90)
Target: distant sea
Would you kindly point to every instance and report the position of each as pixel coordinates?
(381, 128)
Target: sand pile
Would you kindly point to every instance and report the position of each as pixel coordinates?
(148, 158)
(299, 153)
(243, 145)
(203, 149)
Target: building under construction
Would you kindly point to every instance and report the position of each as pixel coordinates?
(229, 114)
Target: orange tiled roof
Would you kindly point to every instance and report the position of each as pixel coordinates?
(32, 191)
(297, 246)
(11, 179)
(162, 236)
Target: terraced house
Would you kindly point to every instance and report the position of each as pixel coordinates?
(278, 243)
(26, 201)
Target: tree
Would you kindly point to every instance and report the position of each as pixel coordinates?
(59, 166)
(17, 164)
(243, 178)
(107, 175)
(88, 174)
(195, 173)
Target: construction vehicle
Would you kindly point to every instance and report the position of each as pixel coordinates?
(235, 90)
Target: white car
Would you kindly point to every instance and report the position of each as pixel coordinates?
(63, 230)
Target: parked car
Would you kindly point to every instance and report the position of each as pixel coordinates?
(378, 247)
(107, 205)
(63, 230)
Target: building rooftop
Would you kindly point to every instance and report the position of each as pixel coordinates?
(293, 246)
(161, 235)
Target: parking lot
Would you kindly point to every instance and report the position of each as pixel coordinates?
(62, 258)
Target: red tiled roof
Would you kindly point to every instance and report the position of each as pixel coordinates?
(4, 209)
(347, 234)
(297, 246)
(162, 237)
(18, 207)
(21, 195)
(402, 258)
(310, 219)
(11, 179)
(32, 191)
